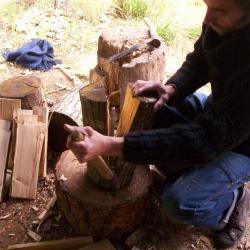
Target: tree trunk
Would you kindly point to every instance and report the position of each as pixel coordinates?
(143, 64)
(93, 210)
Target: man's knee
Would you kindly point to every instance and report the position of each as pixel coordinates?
(176, 208)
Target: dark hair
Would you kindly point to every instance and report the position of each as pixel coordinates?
(245, 4)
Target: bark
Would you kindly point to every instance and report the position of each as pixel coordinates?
(93, 210)
(29, 89)
(68, 111)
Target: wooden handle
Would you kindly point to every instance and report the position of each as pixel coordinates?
(97, 162)
(156, 41)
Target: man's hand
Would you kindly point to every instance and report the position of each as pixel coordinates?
(93, 144)
(164, 92)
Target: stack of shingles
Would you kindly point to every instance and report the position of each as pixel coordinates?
(23, 143)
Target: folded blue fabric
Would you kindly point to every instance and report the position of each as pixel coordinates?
(36, 54)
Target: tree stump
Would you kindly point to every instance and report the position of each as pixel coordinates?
(29, 89)
(146, 64)
(67, 111)
(96, 211)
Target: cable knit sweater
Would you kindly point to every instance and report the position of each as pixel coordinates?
(224, 61)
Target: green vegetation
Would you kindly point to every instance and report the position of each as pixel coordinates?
(174, 19)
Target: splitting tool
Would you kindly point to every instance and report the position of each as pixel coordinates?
(153, 41)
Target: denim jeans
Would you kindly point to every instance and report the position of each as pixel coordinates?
(203, 195)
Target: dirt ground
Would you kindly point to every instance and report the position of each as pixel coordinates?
(17, 215)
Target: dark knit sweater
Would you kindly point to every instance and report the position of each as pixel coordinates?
(224, 61)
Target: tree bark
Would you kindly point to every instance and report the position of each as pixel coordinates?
(93, 210)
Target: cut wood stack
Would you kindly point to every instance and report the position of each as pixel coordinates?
(30, 151)
(7, 107)
(26, 153)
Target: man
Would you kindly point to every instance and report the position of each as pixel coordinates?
(205, 141)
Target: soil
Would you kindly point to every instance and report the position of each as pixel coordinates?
(18, 215)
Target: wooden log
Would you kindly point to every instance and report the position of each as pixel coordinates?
(67, 111)
(63, 244)
(92, 209)
(94, 107)
(29, 89)
(145, 64)
(137, 114)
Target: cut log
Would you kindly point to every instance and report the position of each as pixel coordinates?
(63, 244)
(93, 210)
(67, 111)
(137, 114)
(29, 89)
(94, 107)
(29, 142)
(142, 65)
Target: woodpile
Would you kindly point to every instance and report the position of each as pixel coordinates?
(23, 136)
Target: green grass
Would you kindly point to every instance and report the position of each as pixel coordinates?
(174, 19)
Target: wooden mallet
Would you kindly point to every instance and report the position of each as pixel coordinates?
(98, 162)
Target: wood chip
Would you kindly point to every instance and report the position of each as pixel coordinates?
(206, 240)
(36, 209)
(36, 237)
(5, 217)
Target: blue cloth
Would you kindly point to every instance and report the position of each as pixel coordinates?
(36, 54)
(203, 195)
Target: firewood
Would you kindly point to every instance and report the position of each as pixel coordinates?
(48, 206)
(67, 111)
(4, 149)
(51, 202)
(27, 159)
(137, 113)
(100, 245)
(7, 107)
(63, 244)
(33, 235)
(43, 115)
(7, 183)
(134, 237)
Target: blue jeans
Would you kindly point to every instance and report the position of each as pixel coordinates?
(205, 195)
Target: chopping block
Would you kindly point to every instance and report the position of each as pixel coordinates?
(95, 210)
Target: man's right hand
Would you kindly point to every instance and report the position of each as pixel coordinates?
(93, 144)
(164, 92)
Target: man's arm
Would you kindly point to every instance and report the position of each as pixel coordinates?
(193, 73)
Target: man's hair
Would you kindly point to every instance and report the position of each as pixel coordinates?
(244, 3)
